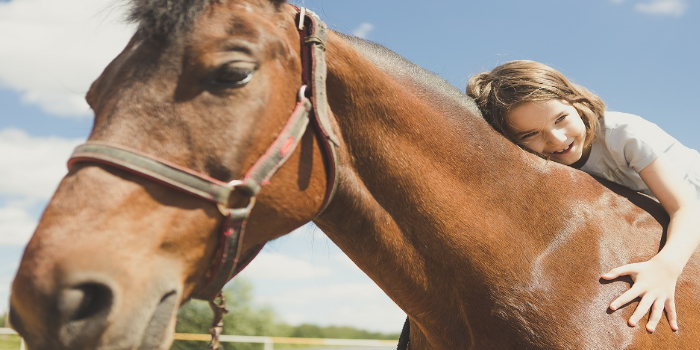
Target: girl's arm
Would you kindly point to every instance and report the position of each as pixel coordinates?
(655, 280)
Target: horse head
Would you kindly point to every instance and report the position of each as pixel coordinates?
(191, 120)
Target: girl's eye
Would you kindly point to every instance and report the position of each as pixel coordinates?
(233, 76)
(528, 135)
(561, 118)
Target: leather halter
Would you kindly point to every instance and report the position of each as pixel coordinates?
(311, 108)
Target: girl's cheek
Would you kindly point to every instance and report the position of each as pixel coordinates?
(533, 146)
(536, 146)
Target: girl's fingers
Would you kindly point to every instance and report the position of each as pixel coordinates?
(656, 311)
(625, 298)
(612, 274)
(671, 314)
(655, 297)
(620, 271)
(641, 310)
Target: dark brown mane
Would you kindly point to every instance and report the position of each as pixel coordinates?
(160, 18)
(163, 19)
(410, 73)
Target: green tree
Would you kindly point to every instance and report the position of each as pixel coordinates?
(8, 341)
(244, 318)
(340, 332)
(247, 318)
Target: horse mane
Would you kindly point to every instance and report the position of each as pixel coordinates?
(454, 100)
(163, 19)
(158, 18)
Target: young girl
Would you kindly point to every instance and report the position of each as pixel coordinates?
(539, 109)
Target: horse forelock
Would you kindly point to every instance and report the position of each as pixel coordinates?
(162, 18)
(165, 19)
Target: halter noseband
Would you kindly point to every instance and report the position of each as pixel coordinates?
(311, 107)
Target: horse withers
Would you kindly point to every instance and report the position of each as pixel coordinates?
(200, 153)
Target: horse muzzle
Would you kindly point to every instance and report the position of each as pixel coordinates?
(88, 310)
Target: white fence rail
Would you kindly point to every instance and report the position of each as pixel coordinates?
(268, 342)
(10, 331)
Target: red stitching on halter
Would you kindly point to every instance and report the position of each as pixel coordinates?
(288, 146)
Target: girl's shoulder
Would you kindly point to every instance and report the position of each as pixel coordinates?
(615, 120)
(629, 142)
(626, 125)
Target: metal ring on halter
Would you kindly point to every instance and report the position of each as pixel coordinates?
(225, 211)
(233, 184)
(302, 93)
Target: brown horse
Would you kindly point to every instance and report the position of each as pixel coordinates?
(484, 246)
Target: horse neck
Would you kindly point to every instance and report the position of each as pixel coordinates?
(415, 170)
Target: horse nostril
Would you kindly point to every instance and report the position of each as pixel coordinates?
(84, 301)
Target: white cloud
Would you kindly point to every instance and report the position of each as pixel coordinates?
(363, 305)
(308, 279)
(674, 8)
(385, 316)
(5, 283)
(32, 167)
(362, 291)
(53, 50)
(16, 226)
(363, 30)
(275, 266)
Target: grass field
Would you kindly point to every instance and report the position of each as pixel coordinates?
(12, 342)
(9, 342)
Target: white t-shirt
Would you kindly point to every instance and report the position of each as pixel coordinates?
(626, 144)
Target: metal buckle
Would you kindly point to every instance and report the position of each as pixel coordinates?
(250, 190)
(302, 93)
(302, 17)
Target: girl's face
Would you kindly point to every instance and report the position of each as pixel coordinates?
(552, 128)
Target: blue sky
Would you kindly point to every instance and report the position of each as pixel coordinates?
(639, 56)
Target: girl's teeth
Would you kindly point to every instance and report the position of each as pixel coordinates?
(564, 150)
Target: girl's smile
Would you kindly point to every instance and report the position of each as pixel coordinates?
(552, 128)
(564, 151)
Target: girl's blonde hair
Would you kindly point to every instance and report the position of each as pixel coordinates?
(517, 82)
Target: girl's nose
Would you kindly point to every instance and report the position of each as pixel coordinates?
(556, 137)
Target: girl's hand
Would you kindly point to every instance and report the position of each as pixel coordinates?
(655, 282)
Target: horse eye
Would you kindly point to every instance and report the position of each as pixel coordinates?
(233, 76)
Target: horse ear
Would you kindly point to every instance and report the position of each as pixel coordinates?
(278, 2)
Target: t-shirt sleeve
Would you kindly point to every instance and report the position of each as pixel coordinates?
(639, 141)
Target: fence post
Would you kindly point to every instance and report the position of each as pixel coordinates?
(21, 344)
(269, 344)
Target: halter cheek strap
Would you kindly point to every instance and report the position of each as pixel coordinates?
(313, 34)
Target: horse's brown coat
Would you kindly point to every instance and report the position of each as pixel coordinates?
(483, 245)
